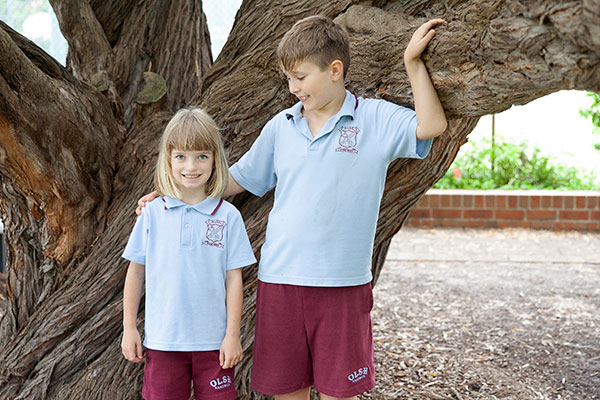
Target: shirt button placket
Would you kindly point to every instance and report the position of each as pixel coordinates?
(187, 231)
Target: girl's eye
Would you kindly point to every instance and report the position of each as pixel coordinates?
(203, 157)
(179, 157)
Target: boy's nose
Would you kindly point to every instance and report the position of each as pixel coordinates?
(293, 88)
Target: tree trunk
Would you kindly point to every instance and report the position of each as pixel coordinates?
(67, 198)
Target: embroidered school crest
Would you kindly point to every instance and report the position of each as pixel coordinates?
(348, 139)
(214, 232)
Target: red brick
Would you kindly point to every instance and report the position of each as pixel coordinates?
(447, 213)
(559, 226)
(423, 202)
(468, 201)
(456, 201)
(534, 202)
(420, 213)
(491, 223)
(445, 201)
(447, 223)
(592, 202)
(568, 202)
(479, 201)
(546, 201)
(574, 214)
(557, 202)
(541, 214)
(593, 226)
(509, 214)
(500, 201)
(434, 200)
(502, 224)
(478, 214)
(475, 224)
(524, 224)
(490, 202)
(524, 202)
(536, 224)
(595, 215)
(513, 201)
(580, 202)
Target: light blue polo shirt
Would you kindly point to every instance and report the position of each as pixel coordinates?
(186, 250)
(327, 189)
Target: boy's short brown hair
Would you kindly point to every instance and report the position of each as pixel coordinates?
(316, 39)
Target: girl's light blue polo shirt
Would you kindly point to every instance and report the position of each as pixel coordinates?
(187, 250)
(327, 189)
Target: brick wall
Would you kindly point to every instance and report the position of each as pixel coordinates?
(535, 209)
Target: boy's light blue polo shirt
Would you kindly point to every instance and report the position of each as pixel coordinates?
(328, 189)
(187, 250)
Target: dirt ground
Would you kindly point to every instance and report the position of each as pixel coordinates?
(480, 314)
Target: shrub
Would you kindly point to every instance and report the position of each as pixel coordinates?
(516, 166)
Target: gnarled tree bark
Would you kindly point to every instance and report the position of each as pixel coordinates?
(73, 159)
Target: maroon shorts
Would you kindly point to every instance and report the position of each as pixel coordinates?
(168, 376)
(320, 336)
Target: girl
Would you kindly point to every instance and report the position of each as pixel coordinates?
(189, 247)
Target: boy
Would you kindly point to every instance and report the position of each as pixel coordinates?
(327, 158)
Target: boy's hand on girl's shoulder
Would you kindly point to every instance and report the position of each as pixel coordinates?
(230, 353)
(131, 345)
(420, 39)
(145, 199)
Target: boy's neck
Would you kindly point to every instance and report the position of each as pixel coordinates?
(317, 118)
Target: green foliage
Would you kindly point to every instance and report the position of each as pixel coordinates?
(515, 167)
(593, 112)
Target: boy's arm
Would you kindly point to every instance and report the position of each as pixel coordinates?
(131, 344)
(430, 113)
(231, 348)
(233, 187)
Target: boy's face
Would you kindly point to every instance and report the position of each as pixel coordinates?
(317, 89)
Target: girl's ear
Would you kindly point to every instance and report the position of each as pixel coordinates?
(337, 70)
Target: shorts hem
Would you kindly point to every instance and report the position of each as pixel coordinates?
(276, 392)
(355, 391)
(224, 396)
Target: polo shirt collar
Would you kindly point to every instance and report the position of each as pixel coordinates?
(348, 108)
(208, 206)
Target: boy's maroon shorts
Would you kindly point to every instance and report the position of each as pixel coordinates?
(320, 336)
(168, 376)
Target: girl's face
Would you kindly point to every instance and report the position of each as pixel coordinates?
(191, 170)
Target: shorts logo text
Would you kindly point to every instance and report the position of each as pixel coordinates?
(214, 232)
(221, 383)
(358, 374)
(347, 139)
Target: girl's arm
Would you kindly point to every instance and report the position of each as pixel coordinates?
(430, 113)
(131, 344)
(231, 348)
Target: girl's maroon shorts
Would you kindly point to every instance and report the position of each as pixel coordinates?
(320, 336)
(169, 374)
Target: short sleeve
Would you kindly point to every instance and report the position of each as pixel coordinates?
(239, 250)
(397, 130)
(135, 250)
(255, 171)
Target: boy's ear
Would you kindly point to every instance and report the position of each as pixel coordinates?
(337, 69)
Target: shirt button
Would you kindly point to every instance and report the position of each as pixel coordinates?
(188, 209)
(187, 225)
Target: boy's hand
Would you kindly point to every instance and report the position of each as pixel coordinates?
(230, 353)
(420, 39)
(131, 345)
(145, 199)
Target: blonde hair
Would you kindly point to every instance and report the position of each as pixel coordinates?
(316, 39)
(191, 129)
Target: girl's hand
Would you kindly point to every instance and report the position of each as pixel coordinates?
(420, 39)
(230, 353)
(131, 345)
(145, 199)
